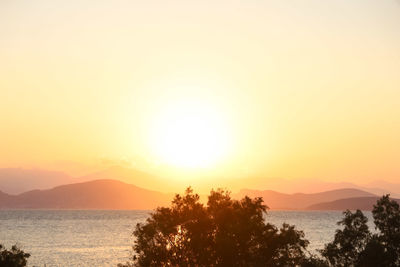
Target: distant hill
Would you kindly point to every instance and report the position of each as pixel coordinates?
(4, 197)
(130, 176)
(310, 186)
(362, 203)
(16, 180)
(276, 200)
(98, 194)
(114, 194)
(394, 189)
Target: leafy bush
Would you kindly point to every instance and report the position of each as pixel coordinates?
(225, 232)
(14, 257)
(355, 245)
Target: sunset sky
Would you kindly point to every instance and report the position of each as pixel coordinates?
(191, 89)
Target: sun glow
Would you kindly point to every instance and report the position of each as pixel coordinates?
(190, 134)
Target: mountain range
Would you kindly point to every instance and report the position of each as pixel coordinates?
(113, 194)
(276, 200)
(362, 203)
(18, 180)
(97, 194)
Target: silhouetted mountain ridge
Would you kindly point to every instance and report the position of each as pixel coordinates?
(113, 194)
(17, 180)
(276, 200)
(361, 203)
(4, 197)
(97, 194)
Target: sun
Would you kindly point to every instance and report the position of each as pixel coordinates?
(190, 134)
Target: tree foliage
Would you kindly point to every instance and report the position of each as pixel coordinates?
(350, 241)
(224, 232)
(15, 257)
(386, 215)
(355, 245)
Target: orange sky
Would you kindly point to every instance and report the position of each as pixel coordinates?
(291, 89)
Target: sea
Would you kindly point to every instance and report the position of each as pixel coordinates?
(104, 237)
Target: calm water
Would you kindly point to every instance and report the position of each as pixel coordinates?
(103, 238)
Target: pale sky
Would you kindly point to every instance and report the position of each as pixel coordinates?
(295, 89)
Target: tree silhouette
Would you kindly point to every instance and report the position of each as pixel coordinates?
(225, 232)
(14, 257)
(386, 215)
(356, 246)
(349, 242)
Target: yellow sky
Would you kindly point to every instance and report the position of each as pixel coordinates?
(301, 89)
